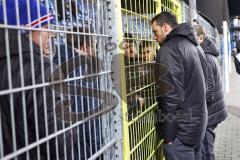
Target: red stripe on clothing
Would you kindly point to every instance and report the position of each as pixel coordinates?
(41, 20)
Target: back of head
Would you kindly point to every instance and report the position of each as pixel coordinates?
(200, 31)
(165, 17)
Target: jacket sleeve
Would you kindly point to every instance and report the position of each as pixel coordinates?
(208, 69)
(237, 64)
(169, 104)
(210, 84)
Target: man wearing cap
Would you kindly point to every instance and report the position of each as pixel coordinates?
(28, 116)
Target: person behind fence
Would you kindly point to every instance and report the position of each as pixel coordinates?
(182, 112)
(147, 57)
(135, 102)
(130, 49)
(31, 110)
(147, 51)
(215, 99)
(81, 48)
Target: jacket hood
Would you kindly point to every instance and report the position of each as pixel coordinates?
(183, 30)
(209, 47)
(13, 44)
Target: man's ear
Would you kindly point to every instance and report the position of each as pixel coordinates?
(201, 39)
(166, 28)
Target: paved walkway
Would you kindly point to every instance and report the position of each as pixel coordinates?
(233, 96)
(227, 144)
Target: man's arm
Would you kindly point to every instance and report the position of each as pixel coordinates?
(237, 63)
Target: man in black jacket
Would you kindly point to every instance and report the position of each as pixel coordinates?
(237, 57)
(215, 100)
(237, 63)
(182, 113)
(27, 114)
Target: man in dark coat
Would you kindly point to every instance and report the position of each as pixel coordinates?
(182, 112)
(237, 63)
(215, 99)
(27, 114)
(237, 57)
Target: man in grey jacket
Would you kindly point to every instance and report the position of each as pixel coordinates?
(182, 113)
(215, 99)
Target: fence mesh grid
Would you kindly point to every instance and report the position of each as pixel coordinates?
(140, 52)
(56, 92)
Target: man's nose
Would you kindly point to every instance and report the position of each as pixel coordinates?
(154, 37)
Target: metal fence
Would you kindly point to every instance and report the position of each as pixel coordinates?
(68, 90)
(56, 106)
(185, 12)
(140, 139)
(211, 30)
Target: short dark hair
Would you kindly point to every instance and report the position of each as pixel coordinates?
(165, 17)
(129, 38)
(81, 38)
(144, 44)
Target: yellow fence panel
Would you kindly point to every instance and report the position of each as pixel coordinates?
(140, 139)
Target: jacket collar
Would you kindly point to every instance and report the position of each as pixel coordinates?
(13, 42)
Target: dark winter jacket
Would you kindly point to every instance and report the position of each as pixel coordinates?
(29, 101)
(182, 113)
(215, 101)
(236, 61)
(237, 64)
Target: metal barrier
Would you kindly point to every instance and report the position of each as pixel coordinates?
(211, 31)
(57, 106)
(139, 139)
(65, 92)
(174, 6)
(185, 12)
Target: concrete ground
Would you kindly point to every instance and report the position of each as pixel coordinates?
(233, 96)
(227, 144)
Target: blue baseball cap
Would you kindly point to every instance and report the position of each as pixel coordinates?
(37, 20)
